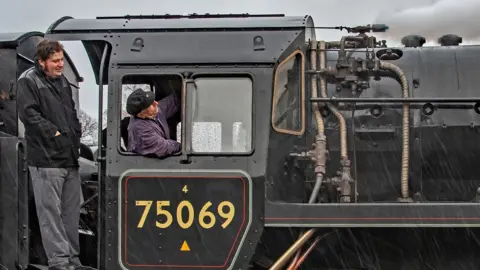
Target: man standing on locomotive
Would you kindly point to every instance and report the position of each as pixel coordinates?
(53, 131)
(148, 131)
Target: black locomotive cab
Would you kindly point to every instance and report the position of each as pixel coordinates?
(202, 205)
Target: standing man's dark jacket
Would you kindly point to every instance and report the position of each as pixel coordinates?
(45, 106)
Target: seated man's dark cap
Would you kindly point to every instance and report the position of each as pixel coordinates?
(139, 100)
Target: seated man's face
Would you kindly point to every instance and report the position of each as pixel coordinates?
(149, 112)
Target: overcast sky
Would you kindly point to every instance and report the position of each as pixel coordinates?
(28, 15)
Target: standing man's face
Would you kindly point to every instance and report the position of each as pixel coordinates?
(53, 66)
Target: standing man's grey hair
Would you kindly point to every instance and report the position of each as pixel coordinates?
(52, 132)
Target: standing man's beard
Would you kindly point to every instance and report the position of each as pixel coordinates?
(50, 73)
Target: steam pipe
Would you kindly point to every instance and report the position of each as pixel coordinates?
(335, 111)
(294, 261)
(401, 77)
(307, 252)
(292, 249)
(320, 151)
(320, 140)
(321, 137)
(405, 127)
(320, 146)
(315, 107)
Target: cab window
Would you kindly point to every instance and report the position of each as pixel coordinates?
(221, 113)
(162, 86)
(288, 109)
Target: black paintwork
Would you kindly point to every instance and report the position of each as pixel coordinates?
(14, 218)
(442, 168)
(165, 246)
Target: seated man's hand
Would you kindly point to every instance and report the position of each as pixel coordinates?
(178, 147)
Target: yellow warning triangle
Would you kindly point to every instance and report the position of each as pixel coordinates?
(185, 246)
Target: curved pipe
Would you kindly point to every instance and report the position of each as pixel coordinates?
(405, 127)
(320, 128)
(386, 70)
(388, 74)
(335, 111)
(320, 131)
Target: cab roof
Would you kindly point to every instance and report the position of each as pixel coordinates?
(178, 22)
(13, 39)
(93, 31)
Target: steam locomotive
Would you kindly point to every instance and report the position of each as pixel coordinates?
(328, 155)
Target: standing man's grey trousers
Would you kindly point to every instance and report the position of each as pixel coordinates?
(58, 197)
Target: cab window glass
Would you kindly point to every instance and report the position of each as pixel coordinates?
(222, 115)
(288, 110)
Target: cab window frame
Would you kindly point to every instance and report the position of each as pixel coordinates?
(251, 133)
(119, 100)
(301, 88)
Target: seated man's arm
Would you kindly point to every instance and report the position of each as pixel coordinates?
(169, 105)
(150, 143)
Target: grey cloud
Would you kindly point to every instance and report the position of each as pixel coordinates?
(432, 21)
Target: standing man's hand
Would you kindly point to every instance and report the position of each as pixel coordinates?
(56, 134)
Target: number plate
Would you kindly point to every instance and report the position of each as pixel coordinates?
(183, 219)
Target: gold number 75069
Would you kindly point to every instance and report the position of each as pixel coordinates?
(202, 215)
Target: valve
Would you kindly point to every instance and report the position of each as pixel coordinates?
(343, 182)
(369, 28)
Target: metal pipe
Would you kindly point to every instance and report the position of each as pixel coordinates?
(320, 140)
(338, 114)
(307, 252)
(313, 80)
(292, 249)
(316, 188)
(405, 127)
(294, 261)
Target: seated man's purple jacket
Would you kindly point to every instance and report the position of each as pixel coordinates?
(152, 137)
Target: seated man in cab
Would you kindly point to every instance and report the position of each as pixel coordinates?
(148, 131)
